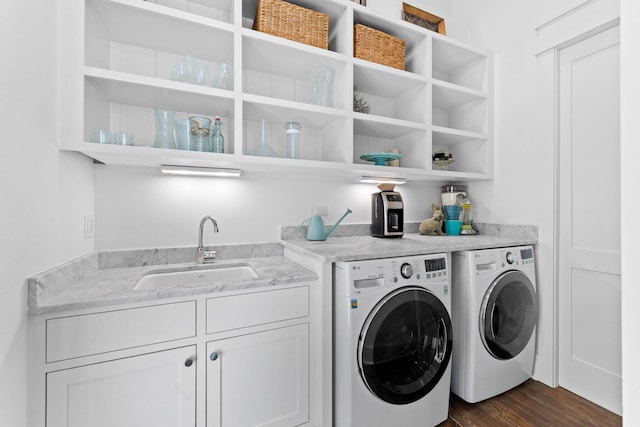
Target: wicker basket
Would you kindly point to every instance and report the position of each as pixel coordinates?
(375, 46)
(292, 22)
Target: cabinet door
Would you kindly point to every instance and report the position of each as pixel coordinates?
(259, 379)
(156, 389)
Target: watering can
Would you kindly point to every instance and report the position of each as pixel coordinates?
(315, 230)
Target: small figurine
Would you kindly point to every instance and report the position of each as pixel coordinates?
(433, 225)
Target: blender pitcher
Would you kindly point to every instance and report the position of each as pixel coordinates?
(467, 218)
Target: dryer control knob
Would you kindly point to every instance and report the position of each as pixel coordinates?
(406, 270)
(510, 258)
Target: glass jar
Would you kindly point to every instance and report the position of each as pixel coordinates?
(200, 128)
(292, 131)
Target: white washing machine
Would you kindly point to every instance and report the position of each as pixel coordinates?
(392, 342)
(494, 312)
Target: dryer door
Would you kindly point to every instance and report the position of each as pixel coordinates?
(508, 315)
(405, 345)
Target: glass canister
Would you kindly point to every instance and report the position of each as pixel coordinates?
(200, 128)
(217, 140)
(292, 130)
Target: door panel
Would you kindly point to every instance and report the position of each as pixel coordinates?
(260, 379)
(589, 220)
(156, 389)
(592, 293)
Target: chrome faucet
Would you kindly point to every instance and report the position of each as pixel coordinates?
(202, 256)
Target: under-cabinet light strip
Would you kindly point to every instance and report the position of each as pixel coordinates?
(379, 180)
(199, 171)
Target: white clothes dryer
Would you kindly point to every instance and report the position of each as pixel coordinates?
(392, 342)
(494, 312)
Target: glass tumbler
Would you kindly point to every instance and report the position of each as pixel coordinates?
(183, 134)
(121, 138)
(101, 136)
(199, 130)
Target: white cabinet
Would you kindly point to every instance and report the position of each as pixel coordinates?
(157, 389)
(119, 56)
(259, 379)
(232, 359)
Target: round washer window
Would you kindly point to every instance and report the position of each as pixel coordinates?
(508, 315)
(405, 345)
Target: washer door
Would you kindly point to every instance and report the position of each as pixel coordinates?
(405, 345)
(508, 315)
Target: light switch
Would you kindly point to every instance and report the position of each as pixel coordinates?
(89, 226)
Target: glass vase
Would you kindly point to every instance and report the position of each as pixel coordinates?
(320, 78)
(164, 128)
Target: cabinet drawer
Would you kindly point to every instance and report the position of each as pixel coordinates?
(241, 311)
(84, 335)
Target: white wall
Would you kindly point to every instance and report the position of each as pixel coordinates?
(630, 153)
(139, 208)
(44, 192)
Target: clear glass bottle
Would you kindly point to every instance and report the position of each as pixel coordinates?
(292, 130)
(217, 140)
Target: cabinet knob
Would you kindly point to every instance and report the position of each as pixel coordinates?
(213, 356)
(188, 362)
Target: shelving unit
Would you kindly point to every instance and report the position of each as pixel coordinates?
(120, 64)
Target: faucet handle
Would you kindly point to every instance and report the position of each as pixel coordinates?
(205, 256)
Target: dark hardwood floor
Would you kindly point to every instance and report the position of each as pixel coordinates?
(532, 404)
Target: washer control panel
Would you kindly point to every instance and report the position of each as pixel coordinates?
(360, 277)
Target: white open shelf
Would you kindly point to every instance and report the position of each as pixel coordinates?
(123, 53)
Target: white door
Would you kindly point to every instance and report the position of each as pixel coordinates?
(589, 220)
(259, 379)
(156, 389)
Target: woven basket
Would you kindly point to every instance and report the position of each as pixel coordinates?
(375, 46)
(292, 22)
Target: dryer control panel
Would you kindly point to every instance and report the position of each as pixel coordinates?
(491, 260)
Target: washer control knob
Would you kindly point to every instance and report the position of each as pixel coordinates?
(406, 270)
(510, 258)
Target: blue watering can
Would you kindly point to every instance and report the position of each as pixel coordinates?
(316, 231)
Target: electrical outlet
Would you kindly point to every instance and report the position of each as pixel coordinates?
(321, 210)
(89, 226)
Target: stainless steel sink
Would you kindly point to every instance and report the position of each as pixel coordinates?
(195, 276)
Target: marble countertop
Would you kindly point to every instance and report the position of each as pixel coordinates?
(86, 283)
(359, 247)
(109, 278)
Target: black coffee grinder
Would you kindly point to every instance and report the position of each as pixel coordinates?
(387, 212)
